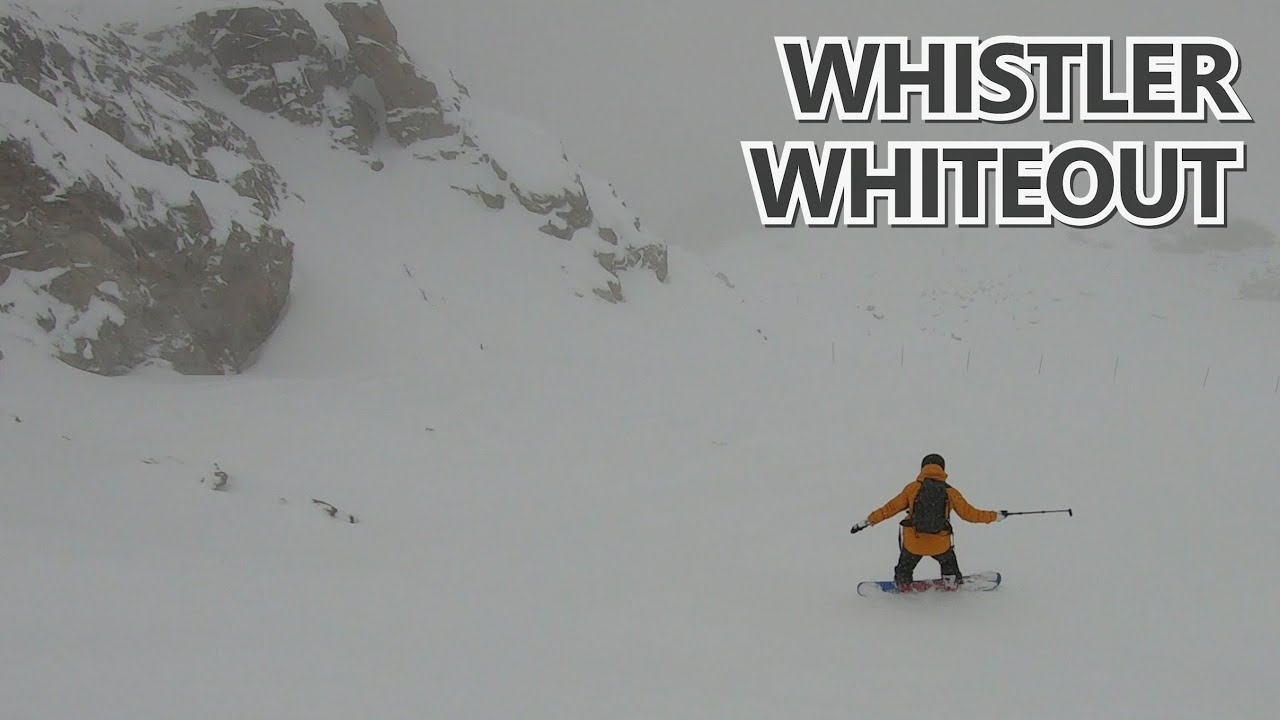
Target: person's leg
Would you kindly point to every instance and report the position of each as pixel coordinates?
(906, 568)
(949, 565)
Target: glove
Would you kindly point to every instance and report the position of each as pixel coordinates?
(860, 526)
(1001, 514)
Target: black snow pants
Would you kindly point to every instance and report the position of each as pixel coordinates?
(905, 571)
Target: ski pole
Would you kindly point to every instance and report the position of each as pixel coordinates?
(1040, 512)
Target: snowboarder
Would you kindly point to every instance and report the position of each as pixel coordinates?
(926, 530)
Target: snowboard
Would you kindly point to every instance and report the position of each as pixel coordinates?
(977, 582)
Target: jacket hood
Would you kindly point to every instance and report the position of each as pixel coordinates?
(932, 472)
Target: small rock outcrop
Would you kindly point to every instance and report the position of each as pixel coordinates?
(272, 59)
(411, 102)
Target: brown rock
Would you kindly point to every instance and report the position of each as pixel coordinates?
(180, 293)
(133, 97)
(412, 102)
(248, 43)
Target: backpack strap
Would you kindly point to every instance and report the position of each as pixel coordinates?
(908, 521)
(946, 491)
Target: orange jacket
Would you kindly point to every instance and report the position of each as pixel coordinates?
(925, 543)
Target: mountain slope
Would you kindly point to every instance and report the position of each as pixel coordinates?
(646, 514)
(152, 236)
(457, 489)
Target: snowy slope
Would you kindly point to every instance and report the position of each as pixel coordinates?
(575, 509)
(647, 517)
(160, 148)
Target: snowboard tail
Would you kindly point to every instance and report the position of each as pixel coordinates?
(977, 582)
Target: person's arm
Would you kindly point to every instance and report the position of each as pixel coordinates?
(968, 512)
(891, 508)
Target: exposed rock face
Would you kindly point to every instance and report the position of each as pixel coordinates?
(250, 43)
(135, 98)
(273, 59)
(133, 220)
(136, 221)
(411, 102)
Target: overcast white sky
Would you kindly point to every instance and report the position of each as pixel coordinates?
(656, 95)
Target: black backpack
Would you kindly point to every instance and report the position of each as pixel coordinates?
(931, 512)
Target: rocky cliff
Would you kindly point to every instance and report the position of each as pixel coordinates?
(136, 222)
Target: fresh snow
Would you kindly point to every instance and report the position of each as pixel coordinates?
(148, 15)
(535, 160)
(74, 152)
(573, 509)
(644, 509)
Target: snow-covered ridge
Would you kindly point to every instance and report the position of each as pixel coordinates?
(146, 190)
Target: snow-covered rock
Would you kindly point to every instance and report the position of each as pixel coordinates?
(136, 98)
(411, 102)
(133, 219)
(140, 224)
(368, 86)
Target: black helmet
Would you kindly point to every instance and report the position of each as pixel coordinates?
(933, 459)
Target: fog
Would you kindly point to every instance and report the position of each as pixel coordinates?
(656, 96)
